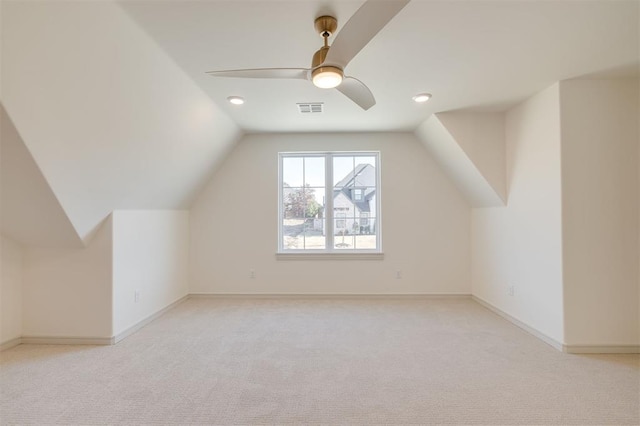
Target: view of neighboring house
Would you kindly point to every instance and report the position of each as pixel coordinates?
(354, 201)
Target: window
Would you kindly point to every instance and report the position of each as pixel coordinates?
(329, 202)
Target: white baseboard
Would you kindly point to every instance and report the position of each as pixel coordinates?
(570, 349)
(49, 340)
(10, 344)
(81, 340)
(548, 340)
(328, 296)
(129, 331)
(602, 349)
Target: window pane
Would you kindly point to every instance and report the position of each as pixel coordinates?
(364, 223)
(292, 171)
(340, 226)
(371, 160)
(292, 233)
(314, 171)
(342, 170)
(365, 242)
(343, 240)
(365, 172)
(303, 234)
(314, 202)
(293, 202)
(314, 238)
(354, 199)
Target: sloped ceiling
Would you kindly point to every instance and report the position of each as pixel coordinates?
(482, 138)
(459, 164)
(110, 119)
(31, 213)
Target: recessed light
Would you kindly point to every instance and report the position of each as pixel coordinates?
(422, 97)
(236, 100)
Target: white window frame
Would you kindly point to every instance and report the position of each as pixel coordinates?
(329, 252)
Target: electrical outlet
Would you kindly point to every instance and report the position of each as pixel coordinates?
(398, 275)
(136, 296)
(252, 273)
(510, 290)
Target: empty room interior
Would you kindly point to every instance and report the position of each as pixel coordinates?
(320, 212)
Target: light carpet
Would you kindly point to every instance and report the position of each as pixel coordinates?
(319, 361)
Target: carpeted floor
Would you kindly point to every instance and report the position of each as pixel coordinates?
(319, 361)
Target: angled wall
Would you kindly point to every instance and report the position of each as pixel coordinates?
(111, 121)
(520, 245)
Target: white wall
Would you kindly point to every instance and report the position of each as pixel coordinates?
(151, 256)
(600, 211)
(425, 224)
(11, 259)
(520, 245)
(67, 292)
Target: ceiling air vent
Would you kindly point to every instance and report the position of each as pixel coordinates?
(310, 108)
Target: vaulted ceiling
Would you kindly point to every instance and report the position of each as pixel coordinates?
(112, 105)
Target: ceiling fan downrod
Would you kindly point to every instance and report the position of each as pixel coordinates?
(325, 77)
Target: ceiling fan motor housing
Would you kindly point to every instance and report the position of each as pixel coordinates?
(319, 57)
(319, 73)
(326, 25)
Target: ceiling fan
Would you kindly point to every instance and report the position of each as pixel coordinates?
(329, 62)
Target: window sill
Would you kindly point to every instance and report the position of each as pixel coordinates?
(329, 256)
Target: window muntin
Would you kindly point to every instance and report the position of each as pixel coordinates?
(329, 202)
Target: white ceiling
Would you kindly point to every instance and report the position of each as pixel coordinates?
(479, 55)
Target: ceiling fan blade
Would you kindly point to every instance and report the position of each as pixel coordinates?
(372, 16)
(286, 73)
(358, 92)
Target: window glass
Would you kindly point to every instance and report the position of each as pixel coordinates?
(340, 218)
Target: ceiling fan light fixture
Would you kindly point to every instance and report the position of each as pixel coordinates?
(327, 77)
(422, 97)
